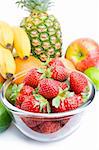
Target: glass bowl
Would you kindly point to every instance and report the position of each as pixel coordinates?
(46, 127)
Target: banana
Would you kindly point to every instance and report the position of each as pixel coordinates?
(7, 63)
(21, 43)
(6, 35)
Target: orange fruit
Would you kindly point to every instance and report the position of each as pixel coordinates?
(25, 65)
(1, 79)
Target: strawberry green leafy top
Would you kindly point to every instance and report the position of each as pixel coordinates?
(39, 5)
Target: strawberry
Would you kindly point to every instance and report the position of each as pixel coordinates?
(19, 100)
(78, 82)
(64, 121)
(27, 90)
(32, 78)
(48, 88)
(31, 122)
(59, 73)
(49, 127)
(62, 85)
(36, 128)
(36, 103)
(62, 104)
(56, 62)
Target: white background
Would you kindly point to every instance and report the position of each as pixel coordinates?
(78, 18)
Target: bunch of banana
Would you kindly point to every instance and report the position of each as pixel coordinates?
(21, 42)
(12, 38)
(7, 63)
(6, 35)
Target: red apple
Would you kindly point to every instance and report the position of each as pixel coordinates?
(83, 53)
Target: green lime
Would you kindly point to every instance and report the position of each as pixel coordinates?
(5, 119)
(93, 74)
(1, 85)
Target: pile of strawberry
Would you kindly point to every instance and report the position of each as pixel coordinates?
(51, 90)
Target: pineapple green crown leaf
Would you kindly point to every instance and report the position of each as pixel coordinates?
(30, 5)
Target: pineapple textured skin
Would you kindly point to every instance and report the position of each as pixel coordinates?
(45, 35)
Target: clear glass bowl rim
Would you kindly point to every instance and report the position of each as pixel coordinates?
(18, 111)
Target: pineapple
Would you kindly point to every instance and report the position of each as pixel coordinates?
(43, 29)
